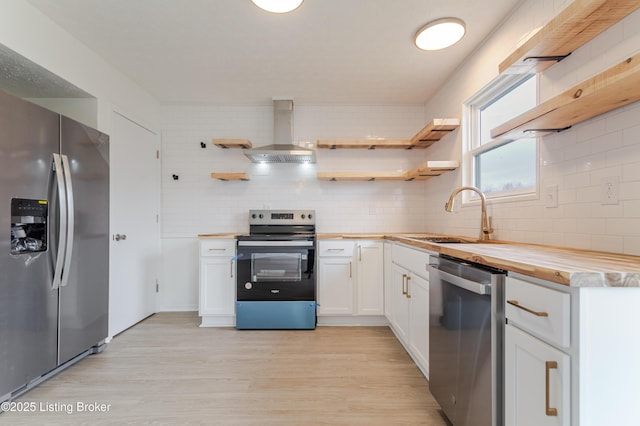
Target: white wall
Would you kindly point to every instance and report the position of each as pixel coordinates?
(576, 160)
(28, 32)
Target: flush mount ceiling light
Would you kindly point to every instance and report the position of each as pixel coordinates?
(440, 33)
(278, 6)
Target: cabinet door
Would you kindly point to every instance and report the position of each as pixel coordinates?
(335, 286)
(388, 280)
(370, 288)
(217, 286)
(418, 292)
(400, 308)
(537, 381)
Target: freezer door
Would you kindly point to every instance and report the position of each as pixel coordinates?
(84, 290)
(28, 302)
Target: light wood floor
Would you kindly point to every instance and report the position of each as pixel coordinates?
(167, 370)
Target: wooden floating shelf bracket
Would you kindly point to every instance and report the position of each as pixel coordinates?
(550, 58)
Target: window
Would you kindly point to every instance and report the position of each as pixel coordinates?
(501, 167)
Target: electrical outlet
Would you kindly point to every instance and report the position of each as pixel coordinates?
(551, 196)
(610, 190)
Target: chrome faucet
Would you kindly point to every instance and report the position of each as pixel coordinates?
(485, 225)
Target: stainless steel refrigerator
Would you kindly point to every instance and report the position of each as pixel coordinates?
(54, 256)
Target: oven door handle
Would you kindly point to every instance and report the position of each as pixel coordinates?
(472, 286)
(275, 243)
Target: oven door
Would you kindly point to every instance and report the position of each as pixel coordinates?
(276, 270)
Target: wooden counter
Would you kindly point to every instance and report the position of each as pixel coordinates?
(572, 267)
(218, 235)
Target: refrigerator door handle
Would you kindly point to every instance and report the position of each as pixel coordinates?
(70, 221)
(62, 232)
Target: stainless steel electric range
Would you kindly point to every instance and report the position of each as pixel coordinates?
(276, 280)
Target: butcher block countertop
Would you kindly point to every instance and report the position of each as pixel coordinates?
(571, 267)
(222, 236)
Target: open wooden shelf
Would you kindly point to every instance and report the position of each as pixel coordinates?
(430, 169)
(422, 172)
(611, 89)
(364, 143)
(577, 24)
(232, 143)
(230, 176)
(432, 132)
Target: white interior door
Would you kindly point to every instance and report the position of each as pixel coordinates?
(135, 237)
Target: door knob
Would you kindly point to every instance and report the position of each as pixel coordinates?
(119, 237)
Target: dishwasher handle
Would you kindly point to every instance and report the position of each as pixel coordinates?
(472, 286)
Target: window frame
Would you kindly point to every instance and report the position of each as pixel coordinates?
(471, 135)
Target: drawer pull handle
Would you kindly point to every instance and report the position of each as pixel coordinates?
(336, 249)
(550, 411)
(404, 284)
(217, 249)
(350, 269)
(408, 294)
(531, 311)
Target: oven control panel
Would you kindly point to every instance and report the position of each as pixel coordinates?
(282, 217)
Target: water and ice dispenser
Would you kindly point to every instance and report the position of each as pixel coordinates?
(28, 225)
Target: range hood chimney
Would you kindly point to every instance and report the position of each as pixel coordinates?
(282, 150)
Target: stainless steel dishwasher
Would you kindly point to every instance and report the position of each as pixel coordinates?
(466, 332)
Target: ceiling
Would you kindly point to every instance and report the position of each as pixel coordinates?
(227, 52)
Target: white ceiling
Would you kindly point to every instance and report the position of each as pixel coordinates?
(230, 52)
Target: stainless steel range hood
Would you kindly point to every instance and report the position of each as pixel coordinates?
(283, 150)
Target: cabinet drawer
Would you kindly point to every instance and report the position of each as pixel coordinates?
(413, 260)
(215, 247)
(334, 248)
(540, 310)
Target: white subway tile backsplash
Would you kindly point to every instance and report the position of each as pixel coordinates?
(198, 204)
(631, 244)
(624, 226)
(631, 208)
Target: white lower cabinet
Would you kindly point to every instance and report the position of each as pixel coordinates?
(538, 381)
(335, 287)
(388, 279)
(350, 282)
(419, 321)
(369, 278)
(570, 354)
(217, 282)
(400, 304)
(537, 355)
(408, 294)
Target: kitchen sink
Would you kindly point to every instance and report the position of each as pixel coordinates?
(441, 240)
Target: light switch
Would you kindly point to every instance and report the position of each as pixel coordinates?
(551, 196)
